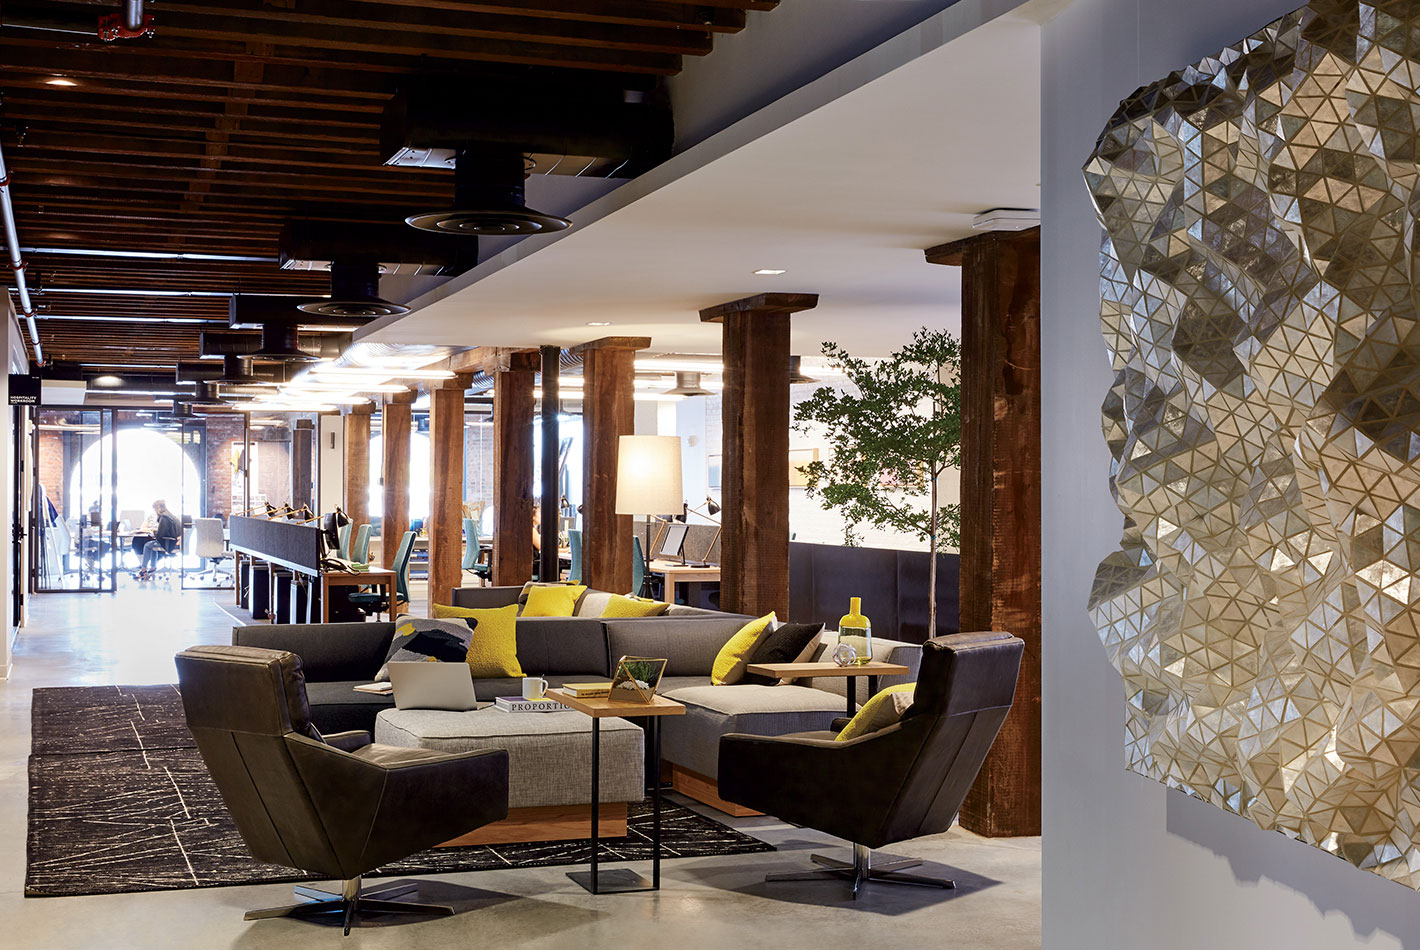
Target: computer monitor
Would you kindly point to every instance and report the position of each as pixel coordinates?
(330, 532)
(673, 540)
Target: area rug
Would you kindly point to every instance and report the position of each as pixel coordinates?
(120, 801)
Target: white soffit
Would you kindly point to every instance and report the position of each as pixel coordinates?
(842, 195)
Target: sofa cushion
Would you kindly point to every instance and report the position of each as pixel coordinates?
(329, 652)
(593, 603)
(548, 645)
(729, 665)
(339, 707)
(628, 607)
(692, 741)
(494, 648)
(784, 643)
(419, 639)
(689, 645)
(550, 600)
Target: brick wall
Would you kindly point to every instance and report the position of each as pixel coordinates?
(51, 466)
(222, 432)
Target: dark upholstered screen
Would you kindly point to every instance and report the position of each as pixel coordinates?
(893, 585)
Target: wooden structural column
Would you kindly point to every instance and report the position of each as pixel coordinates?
(1000, 500)
(394, 437)
(513, 471)
(302, 464)
(357, 465)
(446, 467)
(754, 547)
(608, 413)
(549, 565)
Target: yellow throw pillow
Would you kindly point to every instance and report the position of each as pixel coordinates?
(493, 652)
(619, 606)
(730, 662)
(553, 601)
(884, 709)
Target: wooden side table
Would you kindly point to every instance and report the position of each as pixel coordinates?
(871, 670)
(622, 880)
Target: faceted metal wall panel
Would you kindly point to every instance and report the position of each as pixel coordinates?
(1260, 306)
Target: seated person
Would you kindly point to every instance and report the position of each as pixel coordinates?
(166, 534)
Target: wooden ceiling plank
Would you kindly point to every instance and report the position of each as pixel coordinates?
(630, 12)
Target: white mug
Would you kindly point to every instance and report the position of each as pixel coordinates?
(534, 687)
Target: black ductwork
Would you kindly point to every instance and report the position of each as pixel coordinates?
(489, 196)
(354, 292)
(282, 342)
(237, 371)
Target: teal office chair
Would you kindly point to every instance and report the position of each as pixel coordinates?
(473, 552)
(360, 547)
(344, 548)
(373, 601)
(574, 540)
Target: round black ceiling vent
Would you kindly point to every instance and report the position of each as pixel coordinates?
(279, 342)
(354, 292)
(488, 198)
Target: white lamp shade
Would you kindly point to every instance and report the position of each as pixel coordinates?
(648, 475)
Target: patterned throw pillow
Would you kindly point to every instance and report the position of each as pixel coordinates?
(883, 710)
(729, 666)
(619, 606)
(785, 643)
(417, 639)
(493, 653)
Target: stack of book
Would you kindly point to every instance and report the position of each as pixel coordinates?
(518, 704)
(588, 690)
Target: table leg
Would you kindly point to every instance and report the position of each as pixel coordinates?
(324, 600)
(852, 696)
(656, 803)
(596, 797)
(872, 686)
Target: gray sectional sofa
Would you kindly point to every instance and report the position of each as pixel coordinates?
(336, 657)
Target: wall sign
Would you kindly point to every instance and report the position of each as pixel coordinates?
(24, 389)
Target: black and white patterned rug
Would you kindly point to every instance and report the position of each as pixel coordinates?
(120, 801)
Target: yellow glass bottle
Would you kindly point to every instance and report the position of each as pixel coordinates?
(856, 631)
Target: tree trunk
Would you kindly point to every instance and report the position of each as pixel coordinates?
(932, 568)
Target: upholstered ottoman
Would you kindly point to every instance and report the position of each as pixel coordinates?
(549, 754)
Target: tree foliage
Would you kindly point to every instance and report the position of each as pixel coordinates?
(890, 439)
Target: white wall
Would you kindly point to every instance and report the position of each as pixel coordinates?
(330, 462)
(1129, 864)
(15, 361)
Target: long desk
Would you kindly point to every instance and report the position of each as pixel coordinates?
(295, 547)
(675, 573)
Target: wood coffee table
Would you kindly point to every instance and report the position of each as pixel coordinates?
(622, 880)
(871, 670)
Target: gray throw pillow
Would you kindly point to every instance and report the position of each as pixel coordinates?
(420, 640)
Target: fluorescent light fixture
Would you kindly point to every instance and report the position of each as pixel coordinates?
(60, 81)
(1006, 219)
(707, 365)
(637, 396)
(599, 323)
(92, 318)
(327, 327)
(148, 255)
(381, 373)
(108, 380)
(770, 271)
(349, 386)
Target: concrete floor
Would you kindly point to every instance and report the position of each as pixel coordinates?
(712, 903)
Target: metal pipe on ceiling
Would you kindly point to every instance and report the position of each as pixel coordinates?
(133, 14)
(17, 262)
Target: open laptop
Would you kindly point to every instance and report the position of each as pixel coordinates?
(423, 685)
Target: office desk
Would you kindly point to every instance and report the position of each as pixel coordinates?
(375, 577)
(675, 573)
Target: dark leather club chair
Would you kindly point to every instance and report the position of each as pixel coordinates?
(904, 781)
(336, 806)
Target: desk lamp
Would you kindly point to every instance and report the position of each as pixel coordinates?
(648, 483)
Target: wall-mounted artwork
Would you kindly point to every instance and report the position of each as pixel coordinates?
(1260, 307)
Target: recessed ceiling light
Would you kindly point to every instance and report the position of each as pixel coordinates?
(60, 81)
(108, 380)
(770, 271)
(599, 323)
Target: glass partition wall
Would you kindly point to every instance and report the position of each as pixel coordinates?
(74, 518)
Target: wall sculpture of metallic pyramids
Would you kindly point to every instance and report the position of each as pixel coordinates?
(1261, 304)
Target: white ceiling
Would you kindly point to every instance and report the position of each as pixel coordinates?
(844, 195)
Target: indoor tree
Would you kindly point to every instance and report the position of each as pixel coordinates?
(891, 434)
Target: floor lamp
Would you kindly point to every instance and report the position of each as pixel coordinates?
(648, 483)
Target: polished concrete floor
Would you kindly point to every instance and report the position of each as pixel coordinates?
(719, 903)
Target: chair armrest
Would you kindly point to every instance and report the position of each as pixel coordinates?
(348, 741)
(382, 803)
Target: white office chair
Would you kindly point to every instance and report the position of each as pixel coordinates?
(209, 544)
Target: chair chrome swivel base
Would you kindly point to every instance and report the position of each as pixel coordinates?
(863, 869)
(351, 902)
